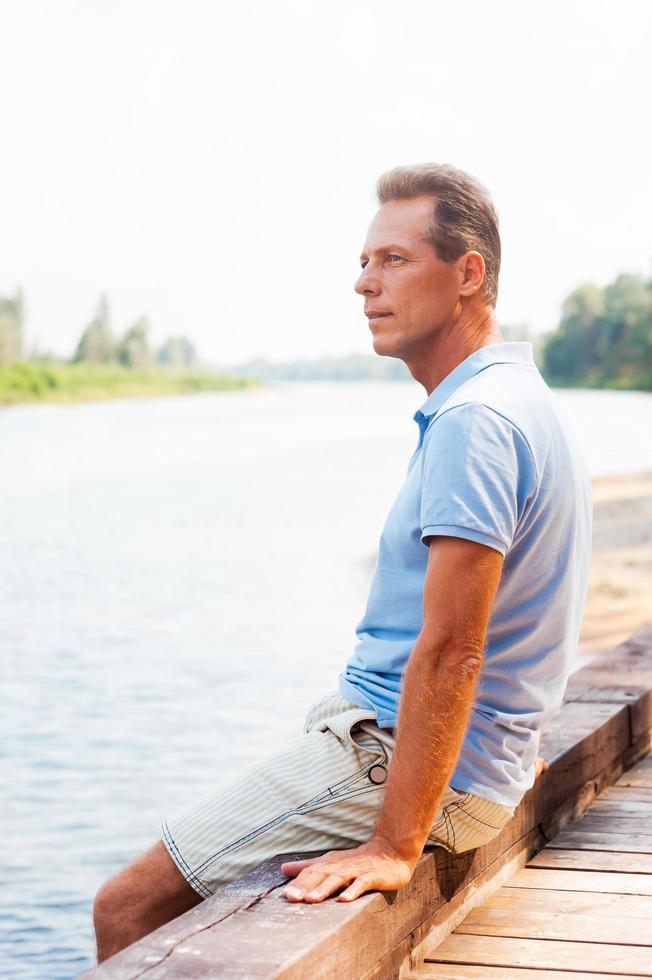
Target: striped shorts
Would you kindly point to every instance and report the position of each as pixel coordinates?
(321, 792)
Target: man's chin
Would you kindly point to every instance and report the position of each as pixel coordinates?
(385, 347)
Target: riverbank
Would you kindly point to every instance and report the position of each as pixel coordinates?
(620, 588)
(23, 382)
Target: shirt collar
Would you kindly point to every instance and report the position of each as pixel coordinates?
(514, 352)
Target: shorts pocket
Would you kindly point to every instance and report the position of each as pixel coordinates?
(318, 710)
(467, 821)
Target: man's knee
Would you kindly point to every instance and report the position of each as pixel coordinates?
(146, 894)
(110, 901)
(121, 901)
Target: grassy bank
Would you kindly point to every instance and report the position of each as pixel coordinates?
(595, 381)
(26, 382)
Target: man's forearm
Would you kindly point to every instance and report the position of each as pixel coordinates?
(436, 701)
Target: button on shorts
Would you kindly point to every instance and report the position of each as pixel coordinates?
(322, 791)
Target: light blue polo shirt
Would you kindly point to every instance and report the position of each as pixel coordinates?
(496, 462)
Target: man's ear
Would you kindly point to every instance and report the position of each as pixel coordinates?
(472, 271)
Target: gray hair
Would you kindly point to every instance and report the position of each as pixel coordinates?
(464, 217)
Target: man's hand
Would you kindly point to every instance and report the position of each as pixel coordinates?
(374, 866)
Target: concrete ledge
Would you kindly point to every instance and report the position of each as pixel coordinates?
(249, 930)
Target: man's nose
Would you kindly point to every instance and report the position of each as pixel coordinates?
(367, 282)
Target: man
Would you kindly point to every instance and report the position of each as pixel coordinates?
(473, 614)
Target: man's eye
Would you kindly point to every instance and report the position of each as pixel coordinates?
(394, 257)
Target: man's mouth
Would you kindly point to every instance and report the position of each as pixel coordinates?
(371, 315)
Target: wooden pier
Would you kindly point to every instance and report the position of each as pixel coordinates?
(580, 909)
(564, 893)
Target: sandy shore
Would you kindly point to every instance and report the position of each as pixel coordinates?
(620, 589)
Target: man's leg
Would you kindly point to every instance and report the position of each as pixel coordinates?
(320, 793)
(316, 794)
(148, 893)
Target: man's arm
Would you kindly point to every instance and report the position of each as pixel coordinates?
(438, 688)
(437, 695)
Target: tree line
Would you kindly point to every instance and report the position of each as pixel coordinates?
(604, 338)
(98, 343)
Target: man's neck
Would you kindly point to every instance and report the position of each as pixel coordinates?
(456, 341)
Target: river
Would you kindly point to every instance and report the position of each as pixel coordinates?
(180, 579)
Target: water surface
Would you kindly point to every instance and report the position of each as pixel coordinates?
(180, 579)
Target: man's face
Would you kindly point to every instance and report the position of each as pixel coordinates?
(403, 279)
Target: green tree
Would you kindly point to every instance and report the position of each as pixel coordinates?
(12, 320)
(625, 340)
(96, 344)
(605, 336)
(571, 351)
(133, 350)
(177, 353)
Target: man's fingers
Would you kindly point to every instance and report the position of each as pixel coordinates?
(316, 886)
(331, 884)
(293, 868)
(357, 888)
(324, 876)
(306, 881)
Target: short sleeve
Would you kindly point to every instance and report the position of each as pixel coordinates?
(478, 474)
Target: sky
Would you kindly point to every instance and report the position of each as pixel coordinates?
(212, 165)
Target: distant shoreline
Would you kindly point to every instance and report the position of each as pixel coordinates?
(29, 383)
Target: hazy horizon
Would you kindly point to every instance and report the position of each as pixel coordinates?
(213, 167)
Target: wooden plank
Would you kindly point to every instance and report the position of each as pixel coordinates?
(622, 828)
(570, 902)
(158, 945)
(634, 655)
(622, 807)
(545, 954)
(530, 924)
(590, 757)
(455, 971)
(637, 749)
(634, 793)
(632, 690)
(582, 881)
(442, 921)
(436, 926)
(611, 861)
(624, 681)
(298, 941)
(596, 841)
(618, 816)
(640, 775)
(639, 643)
(621, 675)
(577, 723)
(582, 742)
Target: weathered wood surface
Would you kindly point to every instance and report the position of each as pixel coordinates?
(455, 971)
(554, 915)
(249, 930)
(545, 954)
(625, 879)
(623, 676)
(639, 776)
(636, 844)
(610, 902)
(592, 861)
(547, 924)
